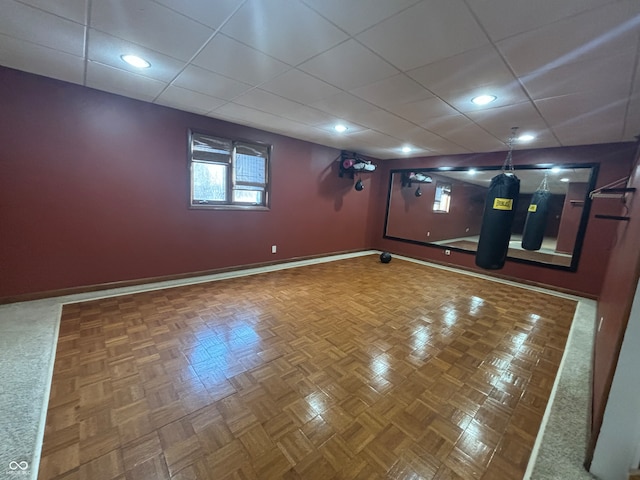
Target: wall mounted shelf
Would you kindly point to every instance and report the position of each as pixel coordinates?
(351, 164)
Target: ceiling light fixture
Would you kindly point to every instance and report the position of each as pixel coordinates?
(565, 180)
(135, 61)
(555, 169)
(472, 171)
(527, 137)
(483, 99)
(340, 128)
(406, 149)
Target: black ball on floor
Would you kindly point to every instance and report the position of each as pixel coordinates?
(385, 257)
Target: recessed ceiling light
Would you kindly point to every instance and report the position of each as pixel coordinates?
(483, 99)
(135, 61)
(471, 171)
(527, 137)
(565, 180)
(340, 128)
(555, 169)
(406, 149)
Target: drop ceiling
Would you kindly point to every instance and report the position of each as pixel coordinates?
(397, 73)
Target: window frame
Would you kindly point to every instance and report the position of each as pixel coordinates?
(445, 190)
(230, 181)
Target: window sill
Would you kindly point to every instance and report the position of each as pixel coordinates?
(230, 207)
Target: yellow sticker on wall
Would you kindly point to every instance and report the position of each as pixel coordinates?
(503, 204)
(533, 207)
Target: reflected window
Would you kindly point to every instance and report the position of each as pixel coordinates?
(442, 199)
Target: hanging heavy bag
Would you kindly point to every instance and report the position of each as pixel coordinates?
(499, 211)
(536, 222)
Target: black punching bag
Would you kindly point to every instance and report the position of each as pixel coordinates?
(499, 210)
(536, 220)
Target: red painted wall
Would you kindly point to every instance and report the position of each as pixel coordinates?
(571, 216)
(412, 217)
(94, 188)
(620, 281)
(615, 161)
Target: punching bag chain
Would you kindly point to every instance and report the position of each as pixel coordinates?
(544, 185)
(508, 163)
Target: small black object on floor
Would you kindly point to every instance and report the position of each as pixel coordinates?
(385, 257)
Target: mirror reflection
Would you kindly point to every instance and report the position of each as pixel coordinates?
(444, 207)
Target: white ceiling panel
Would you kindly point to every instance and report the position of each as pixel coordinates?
(364, 66)
(74, 10)
(107, 49)
(470, 70)
(300, 87)
(392, 91)
(203, 11)
(429, 31)
(597, 33)
(422, 110)
(504, 18)
(121, 82)
(29, 57)
(399, 72)
(231, 58)
(615, 71)
(356, 15)
(35, 26)
(203, 81)
(152, 25)
(287, 30)
(188, 100)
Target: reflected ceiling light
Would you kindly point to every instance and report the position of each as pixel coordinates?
(406, 149)
(340, 128)
(135, 61)
(483, 99)
(527, 137)
(565, 180)
(471, 171)
(555, 169)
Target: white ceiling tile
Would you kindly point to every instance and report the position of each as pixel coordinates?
(121, 82)
(107, 50)
(203, 11)
(231, 58)
(74, 10)
(343, 104)
(585, 76)
(184, 99)
(29, 57)
(420, 111)
(376, 139)
(209, 83)
(392, 91)
(364, 67)
(498, 121)
(35, 26)
(597, 33)
(424, 33)
(300, 87)
(585, 119)
(246, 115)
(284, 29)
(151, 25)
(467, 71)
(384, 121)
(508, 94)
(503, 18)
(461, 131)
(356, 15)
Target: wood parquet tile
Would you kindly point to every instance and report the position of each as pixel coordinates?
(343, 370)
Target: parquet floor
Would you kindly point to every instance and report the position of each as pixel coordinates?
(343, 370)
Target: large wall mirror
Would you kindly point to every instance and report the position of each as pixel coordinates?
(443, 207)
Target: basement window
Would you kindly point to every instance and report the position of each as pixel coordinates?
(228, 174)
(442, 200)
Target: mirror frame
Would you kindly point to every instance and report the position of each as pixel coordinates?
(577, 248)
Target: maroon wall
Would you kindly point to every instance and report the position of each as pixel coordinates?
(413, 217)
(94, 188)
(571, 216)
(615, 161)
(620, 281)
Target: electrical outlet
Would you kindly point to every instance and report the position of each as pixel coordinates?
(274, 249)
(447, 252)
